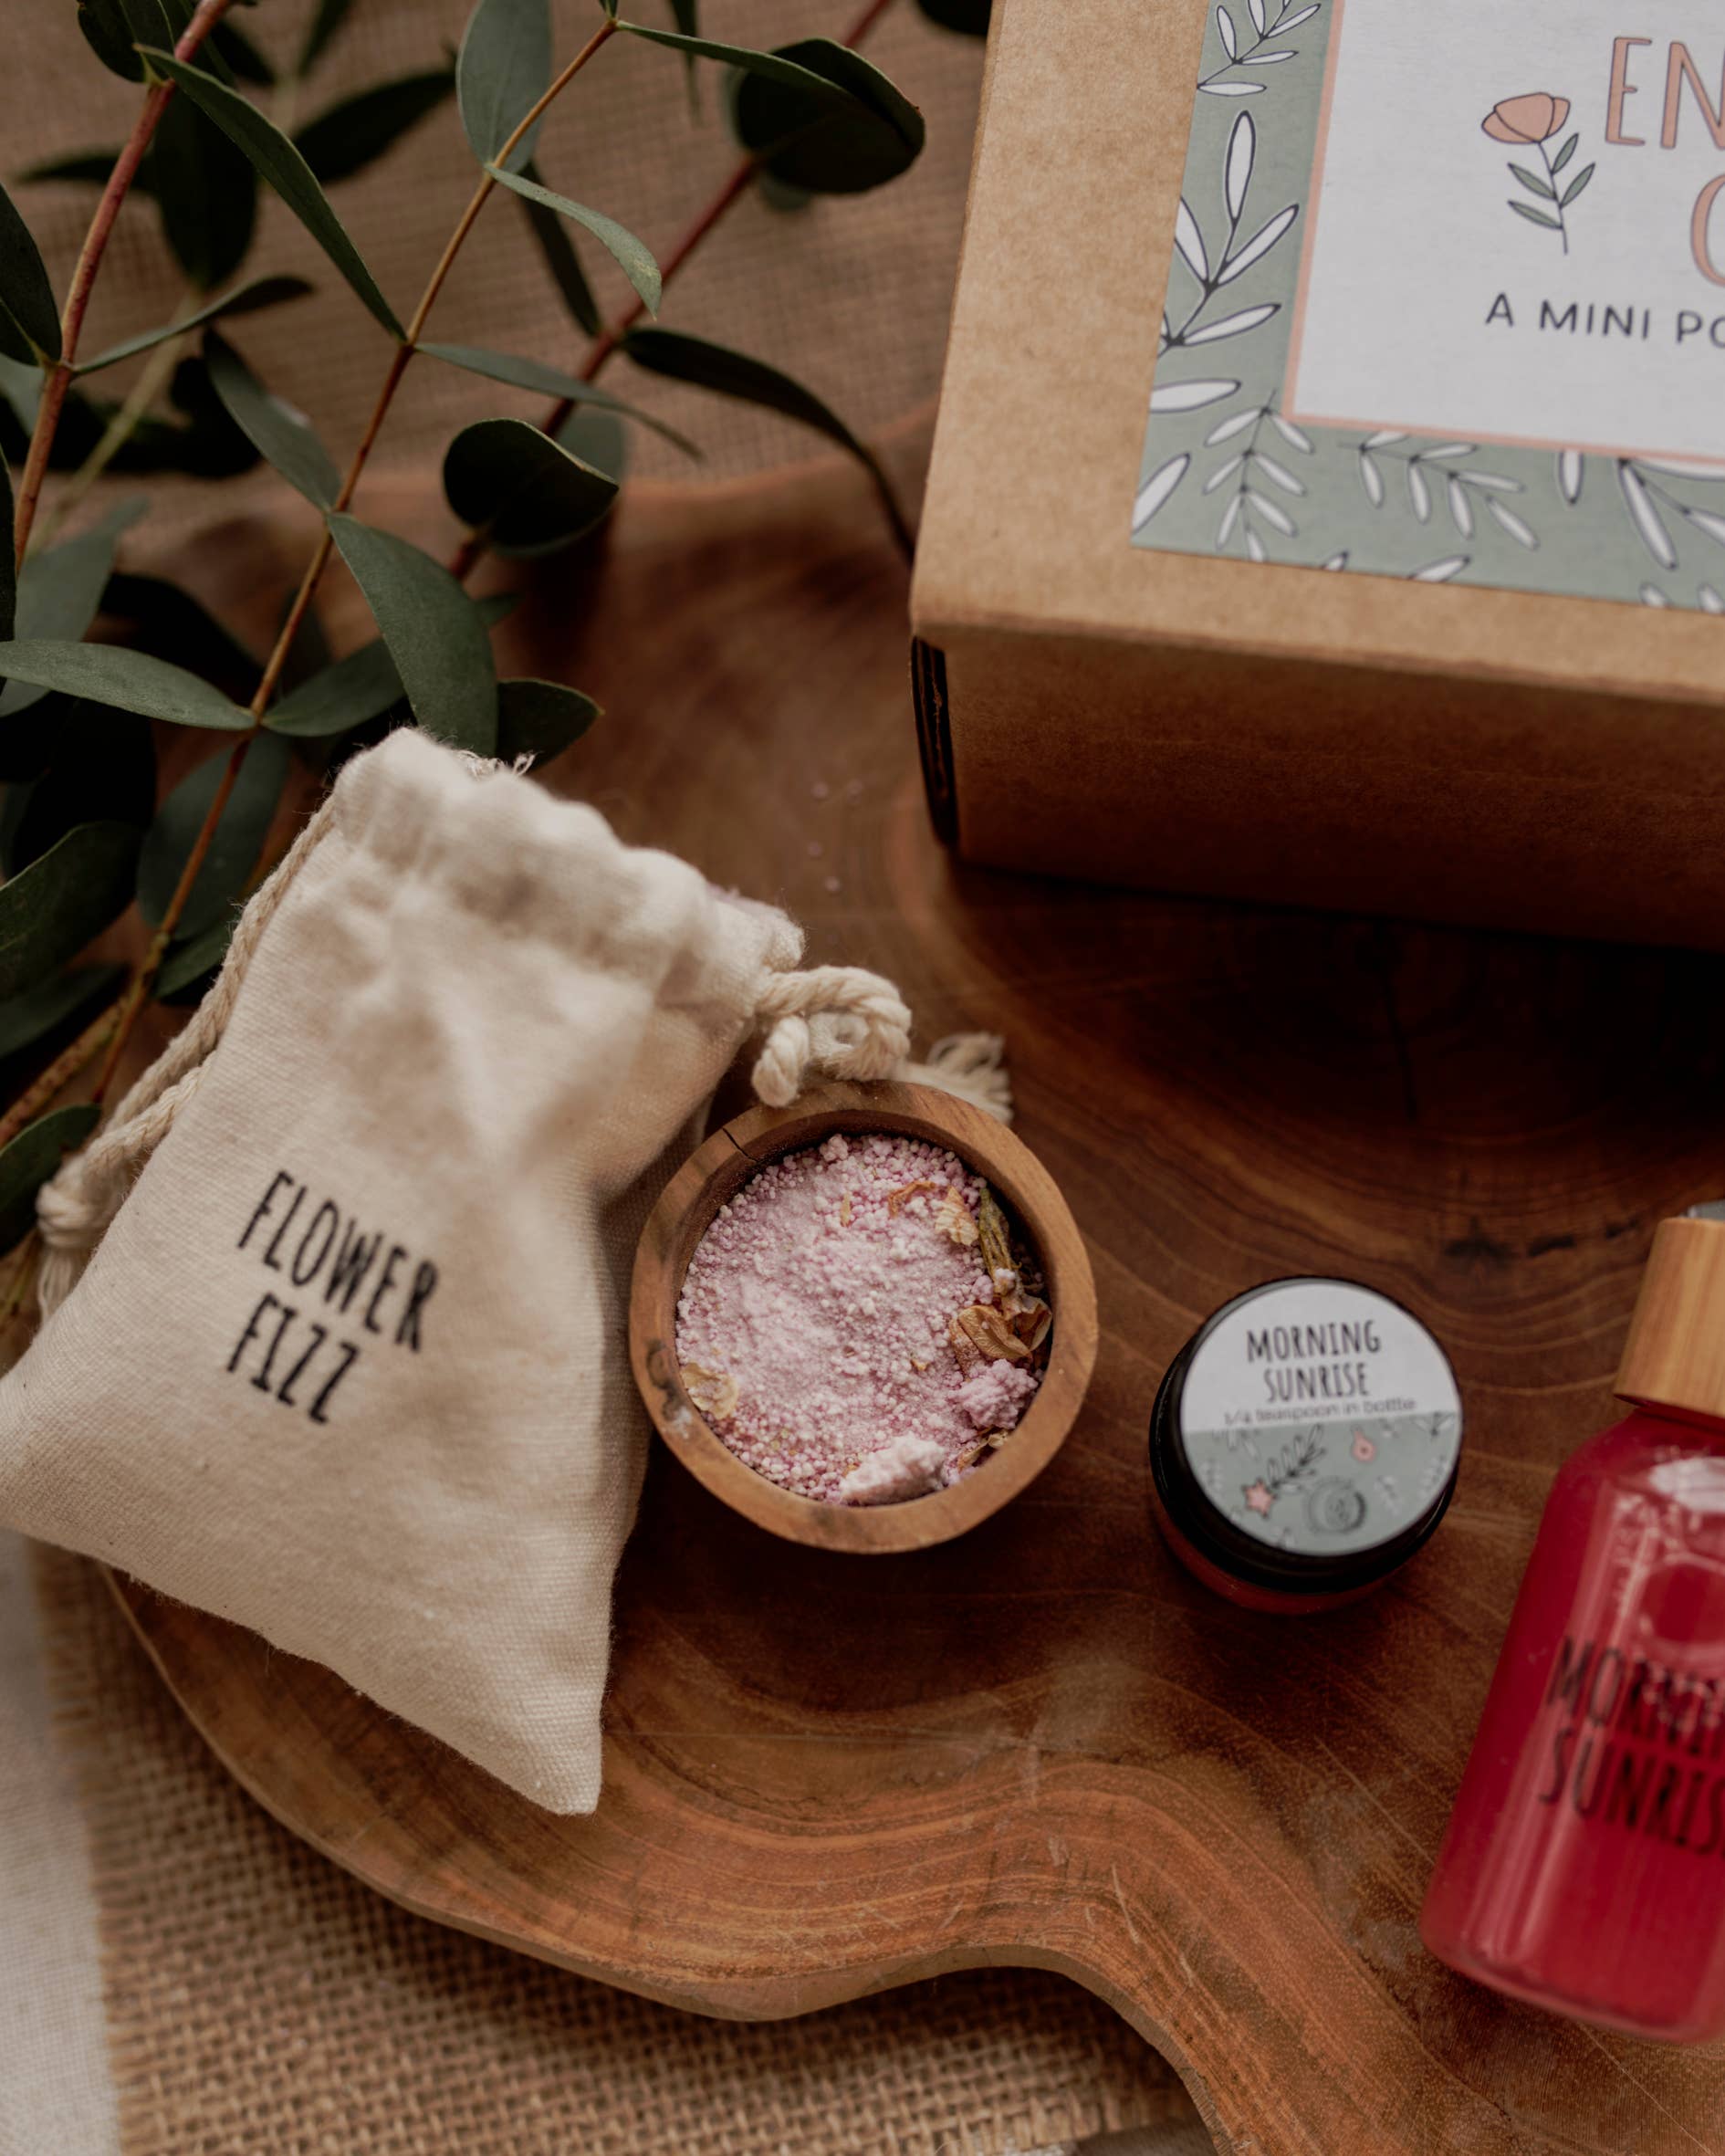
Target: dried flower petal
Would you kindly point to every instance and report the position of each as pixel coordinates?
(897, 1200)
(713, 1392)
(844, 1210)
(989, 1335)
(965, 1352)
(996, 1240)
(953, 1217)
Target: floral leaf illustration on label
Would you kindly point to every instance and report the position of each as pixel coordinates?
(1534, 121)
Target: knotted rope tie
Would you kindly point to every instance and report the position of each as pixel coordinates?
(839, 1020)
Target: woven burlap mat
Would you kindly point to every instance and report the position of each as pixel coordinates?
(261, 2000)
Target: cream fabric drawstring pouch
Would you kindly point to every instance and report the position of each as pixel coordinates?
(334, 1334)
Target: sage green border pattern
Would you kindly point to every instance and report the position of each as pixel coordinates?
(1224, 472)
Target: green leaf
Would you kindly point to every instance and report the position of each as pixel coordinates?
(1535, 181)
(356, 132)
(734, 374)
(43, 1011)
(110, 37)
(631, 255)
(435, 634)
(32, 1157)
(169, 624)
(238, 841)
(560, 258)
(326, 21)
(130, 681)
(100, 769)
(252, 299)
(551, 381)
(242, 55)
(598, 438)
(522, 490)
(357, 689)
(540, 719)
(86, 168)
(773, 65)
(1533, 216)
(278, 163)
(50, 911)
(60, 588)
(190, 963)
(1565, 154)
(1575, 185)
(281, 430)
(877, 135)
(686, 15)
(502, 69)
(207, 194)
(29, 321)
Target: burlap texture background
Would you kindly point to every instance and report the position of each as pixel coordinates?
(257, 1998)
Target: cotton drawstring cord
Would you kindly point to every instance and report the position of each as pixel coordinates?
(841, 1022)
(74, 1209)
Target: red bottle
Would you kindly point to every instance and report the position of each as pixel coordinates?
(1584, 1865)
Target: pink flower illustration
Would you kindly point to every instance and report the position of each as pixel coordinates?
(1534, 121)
(1365, 1450)
(1534, 117)
(1258, 1498)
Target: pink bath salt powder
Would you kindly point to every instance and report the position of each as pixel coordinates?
(904, 1467)
(826, 1289)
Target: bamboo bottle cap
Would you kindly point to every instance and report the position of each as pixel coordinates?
(1675, 1356)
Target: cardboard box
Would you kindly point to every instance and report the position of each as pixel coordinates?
(1391, 732)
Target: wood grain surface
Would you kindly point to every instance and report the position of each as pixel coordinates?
(1044, 1742)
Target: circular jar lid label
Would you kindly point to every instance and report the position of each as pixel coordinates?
(1320, 1417)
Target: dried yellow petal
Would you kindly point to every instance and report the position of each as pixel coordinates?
(897, 1200)
(953, 1217)
(996, 1241)
(844, 1210)
(988, 1333)
(713, 1392)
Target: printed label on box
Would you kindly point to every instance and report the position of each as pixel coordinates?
(1447, 297)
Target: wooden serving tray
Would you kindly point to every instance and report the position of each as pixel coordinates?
(1041, 1743)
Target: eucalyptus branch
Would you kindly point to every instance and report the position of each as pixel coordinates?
(154, 376)
(59, 378)
(138, 991)
(77, 1056)
(471, 550)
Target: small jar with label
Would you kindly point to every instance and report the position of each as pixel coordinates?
(1303, 1445)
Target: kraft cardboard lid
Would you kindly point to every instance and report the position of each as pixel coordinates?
(1675, 1356)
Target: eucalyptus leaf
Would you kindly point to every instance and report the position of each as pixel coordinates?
(327, 20)
(969, 17)
(110, 37)
(206, 192)
(234, 846)
(554, 245)
(206, 444)
(598, 438)
(190, 962)
(279, 430)
(686, 15)
(52, 1004)
(168, 623)
(252, 299)
(805, 142)
(435, 634)
(502, 69)
(129, 680)
(540, 719)
(281, 165)
(32, 1157)
(773, 65)
(734, 374)
(357, 689)
(356, 132)
(551, 381)
(29, 321)
(631, 254)
(525, 492)
(60, 588)
(50, 911)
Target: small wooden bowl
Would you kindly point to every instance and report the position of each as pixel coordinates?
(713, 1174)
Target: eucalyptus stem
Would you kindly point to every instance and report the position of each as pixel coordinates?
(156, 373)
(59, 378)
(471, 550)
(138, 991)
(76, 1057)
